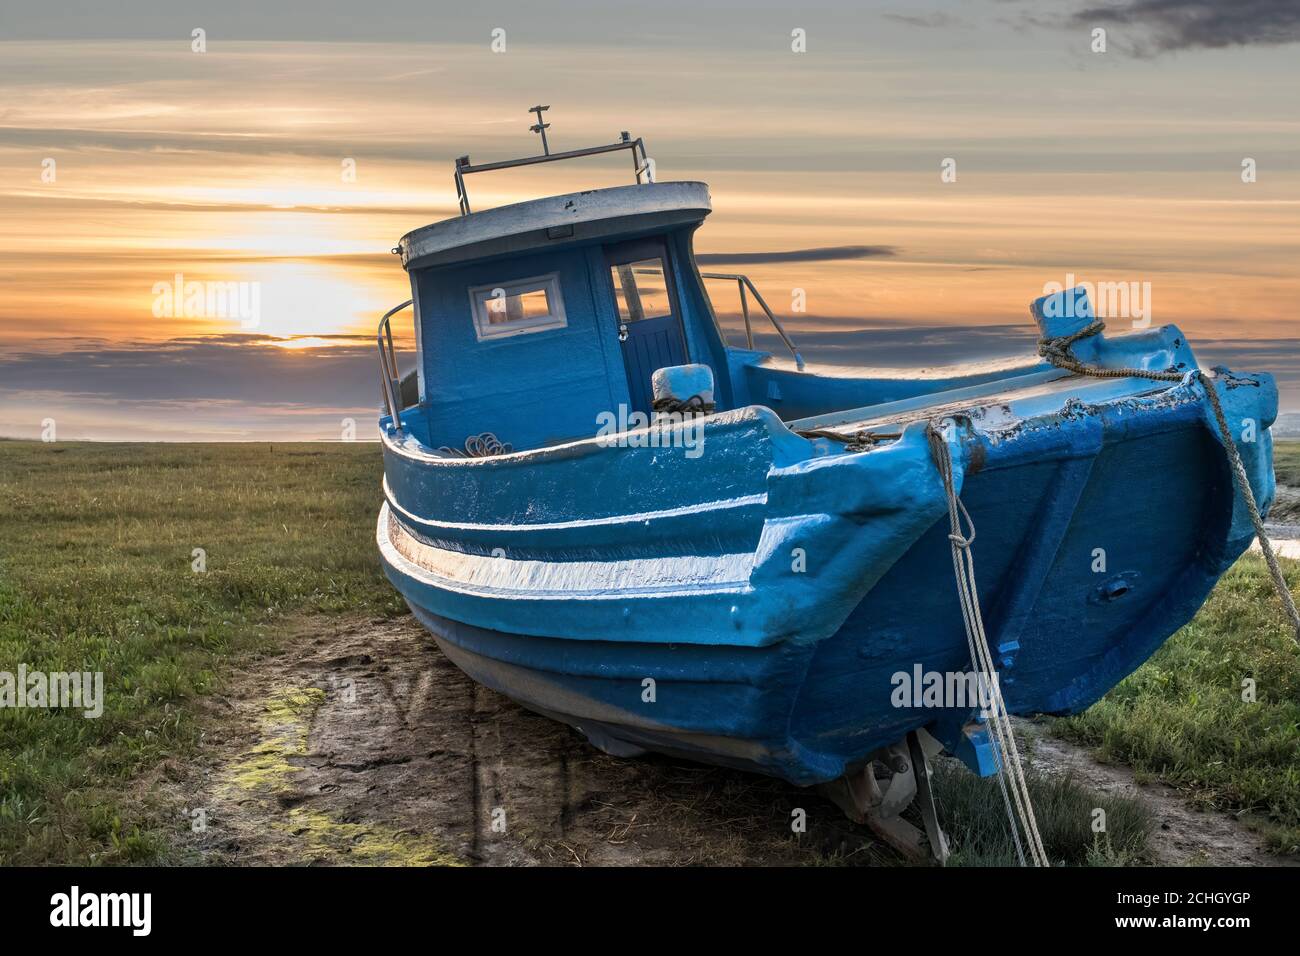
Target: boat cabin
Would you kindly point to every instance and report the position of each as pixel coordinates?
(534, 320)
(566, 572)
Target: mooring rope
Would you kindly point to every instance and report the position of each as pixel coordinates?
(1057, 352)
(695, 405)
(479, 446)
(1020, 809)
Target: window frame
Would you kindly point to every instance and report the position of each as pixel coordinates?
(486, 331)
(620, 291)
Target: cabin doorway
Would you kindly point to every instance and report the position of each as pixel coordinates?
(649, 317)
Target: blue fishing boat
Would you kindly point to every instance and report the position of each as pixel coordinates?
(607, 511)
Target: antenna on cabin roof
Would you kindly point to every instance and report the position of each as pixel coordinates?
(540, 127)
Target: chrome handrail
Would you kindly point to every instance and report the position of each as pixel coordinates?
(388, 365)
(742, 282)
(642, 167)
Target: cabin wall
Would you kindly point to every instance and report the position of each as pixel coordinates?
(530, 389)
(542, 388)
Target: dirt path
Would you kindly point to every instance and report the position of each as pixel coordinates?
(360, 743)
(1186, 836)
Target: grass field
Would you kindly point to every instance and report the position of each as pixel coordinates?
(97, 552)
(1181, 717)
(1286, 463)
(96, 573)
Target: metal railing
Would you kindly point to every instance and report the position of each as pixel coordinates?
(388, 377)
(743, 282)
(642, 168)
(391, 383)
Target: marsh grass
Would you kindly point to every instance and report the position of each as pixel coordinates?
(1286, 463)
(96, 545)
(1181, 718)
(975, 818)
(96, 552)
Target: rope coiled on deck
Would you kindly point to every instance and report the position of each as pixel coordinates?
(485, 445)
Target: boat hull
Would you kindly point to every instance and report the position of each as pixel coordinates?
(692, 629)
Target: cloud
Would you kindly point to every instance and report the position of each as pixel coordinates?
(198, 388)
(248, 367)
(246, 387)
(1188, 24)
(901, 344)
(937, 19)
(820, 254)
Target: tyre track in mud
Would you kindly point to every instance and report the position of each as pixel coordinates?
(360, 743)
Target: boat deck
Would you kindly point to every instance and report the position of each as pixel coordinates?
(992, 406)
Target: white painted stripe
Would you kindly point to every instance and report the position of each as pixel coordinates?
(638, 518)
(559, 580)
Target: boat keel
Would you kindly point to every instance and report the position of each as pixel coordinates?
(866, 798)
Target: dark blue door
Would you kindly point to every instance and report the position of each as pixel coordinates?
(649, 321)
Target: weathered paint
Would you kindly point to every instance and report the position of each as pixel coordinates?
(771, 586)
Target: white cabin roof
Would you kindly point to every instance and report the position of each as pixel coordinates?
(555, 221)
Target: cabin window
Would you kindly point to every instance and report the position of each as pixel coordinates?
(641, 290)
(511, 308)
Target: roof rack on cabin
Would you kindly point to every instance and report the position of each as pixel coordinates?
(642, 166)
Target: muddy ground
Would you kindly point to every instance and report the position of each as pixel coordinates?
(1185, 836)
(360, 743)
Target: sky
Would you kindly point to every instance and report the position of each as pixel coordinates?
(921, 171)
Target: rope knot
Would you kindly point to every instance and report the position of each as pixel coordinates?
(1057, 349)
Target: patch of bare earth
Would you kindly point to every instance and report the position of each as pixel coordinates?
(360, 743)
(1185, 836)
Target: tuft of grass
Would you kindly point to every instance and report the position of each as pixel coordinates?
(96, 574)
(1286, 463)
(1181, 717)
(1286, 466)
(974, 817)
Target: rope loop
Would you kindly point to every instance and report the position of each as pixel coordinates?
(964, 542)
(1058, 348)
(485, 445)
